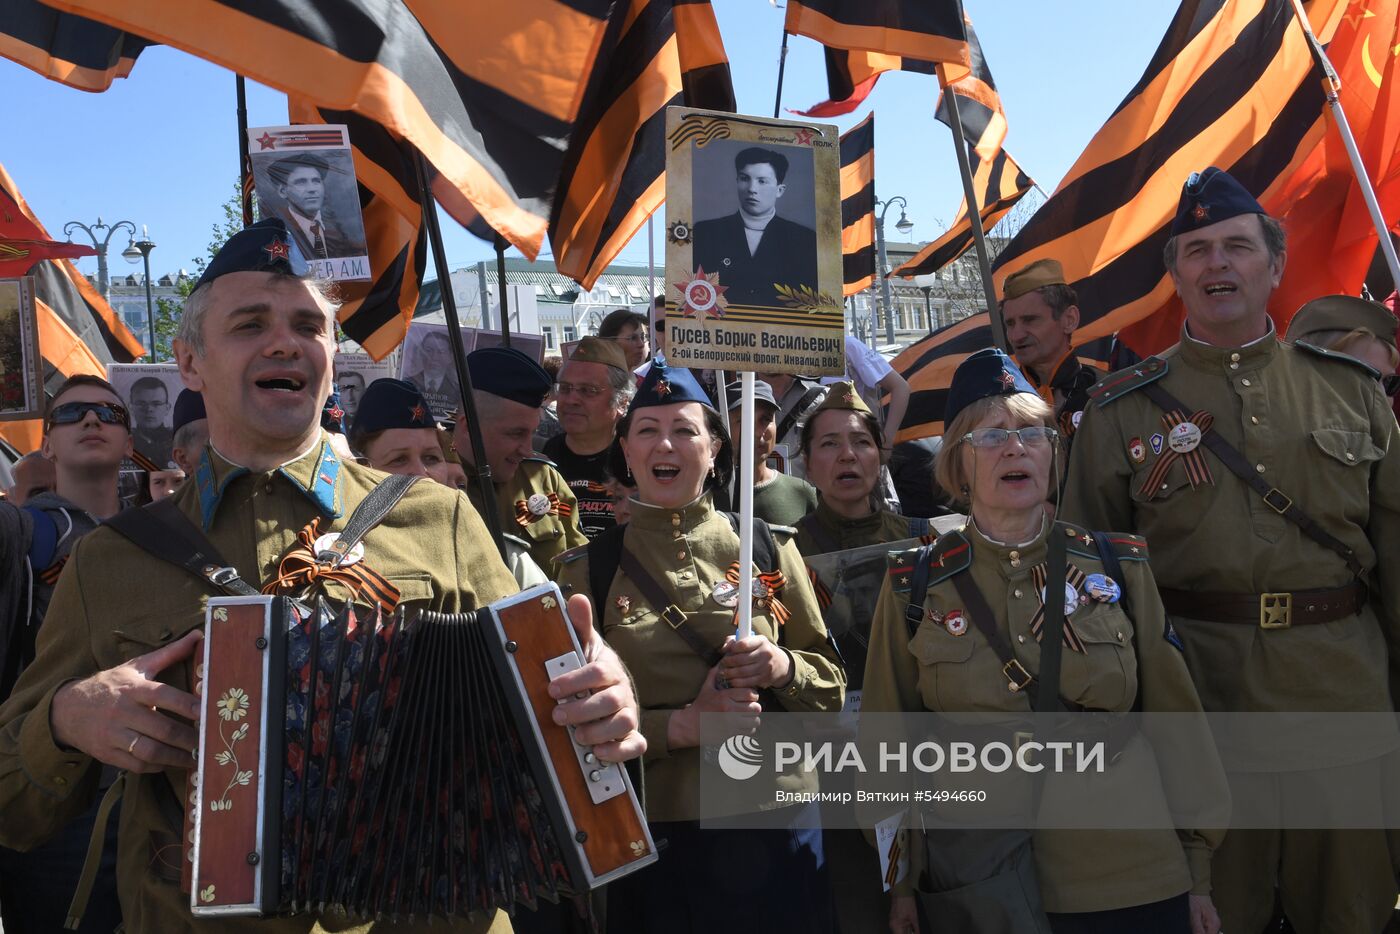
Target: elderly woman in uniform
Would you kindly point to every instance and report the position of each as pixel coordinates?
(1118, 653)
(678, 557)
(841, 445)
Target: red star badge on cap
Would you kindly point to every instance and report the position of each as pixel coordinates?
(1200, 212)
(417, 413)
(1007, 379)
(267, 141)
(336, 412)
(279, 249)
(663, 388)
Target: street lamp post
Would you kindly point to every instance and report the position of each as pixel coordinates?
(903, 225)
(99, 244)
(928, 305)
(140, 251)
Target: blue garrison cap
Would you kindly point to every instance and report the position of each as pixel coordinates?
(189, 407)
(392, 403)
(264, 247)
(988, 372)
(510, 374)
(332, 415)
(667, 385)
(1209, 197)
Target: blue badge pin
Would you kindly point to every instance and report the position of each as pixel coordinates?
(1103, 588)
(1156, 442)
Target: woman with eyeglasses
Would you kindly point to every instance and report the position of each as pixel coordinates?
(971, 644)
(629, 330)
(665, 590)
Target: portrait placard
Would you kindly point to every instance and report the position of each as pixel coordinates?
(306, 176)
(21, 367)
(427, 364)
(531, 345)
(149, 390)
(753, 254)
(353, 372)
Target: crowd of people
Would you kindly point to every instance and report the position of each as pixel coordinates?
(1226, 512)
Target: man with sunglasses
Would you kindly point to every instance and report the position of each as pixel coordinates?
(108, 683)
(594, 387)
(86, 435)
(1266, 477)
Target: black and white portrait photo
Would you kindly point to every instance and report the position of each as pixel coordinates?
(305, 175)
(427, 364)
(755, 219)
(149, 390)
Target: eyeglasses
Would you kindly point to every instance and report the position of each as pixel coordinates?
(1390, 383)
(587, 392)
(70, 413)
(1032, 437)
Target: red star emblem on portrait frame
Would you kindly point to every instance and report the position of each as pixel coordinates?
(279, 249)
(267, 141)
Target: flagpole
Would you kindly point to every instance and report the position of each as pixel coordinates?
(974, 216)
(651, 273)
(1330, 86)
(489, 514)
(782, 65)
(245, 168)
(501, 287)
(745, 621)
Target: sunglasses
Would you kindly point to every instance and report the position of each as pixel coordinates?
(1391, 383)
(108, 413)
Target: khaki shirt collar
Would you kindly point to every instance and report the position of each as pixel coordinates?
(837, 523)
(1009, 558)
(316, 474)
(1229, 360)
(663, 519)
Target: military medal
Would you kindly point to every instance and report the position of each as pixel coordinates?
(759, 588)
(724, 593)
(538, 504)
(624, 604)
(935, 617)
(1103, 588)
(1137, 451)
(1156, 442)
(955, 622)
(1184, 438)
(323, 545)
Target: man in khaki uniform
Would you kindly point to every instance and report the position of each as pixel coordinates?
(533, 500)
(1041, 311)
(107, 685)
(1272, 618)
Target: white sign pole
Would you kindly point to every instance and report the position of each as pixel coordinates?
(745, 506)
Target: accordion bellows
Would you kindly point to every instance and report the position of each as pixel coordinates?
(396, 766)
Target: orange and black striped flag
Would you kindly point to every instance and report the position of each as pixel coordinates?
(65, 47)
(858, 205)
(998, 184)
(979, 106)
(376, 314)
(78, 331)
(489, 95)
(658, 53)
(1231, 85)
(866, 38)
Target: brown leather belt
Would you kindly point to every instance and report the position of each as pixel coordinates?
(1267, 610)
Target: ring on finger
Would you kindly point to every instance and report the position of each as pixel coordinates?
(131, 747)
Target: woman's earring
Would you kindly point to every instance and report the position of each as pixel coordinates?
(712, 471)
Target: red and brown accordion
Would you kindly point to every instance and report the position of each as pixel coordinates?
(401, 765)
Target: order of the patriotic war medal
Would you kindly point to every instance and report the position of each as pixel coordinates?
(1103, 588)
(538, 504)
(724, 593)
(1184, 438)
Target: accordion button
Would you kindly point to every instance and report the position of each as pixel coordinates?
(589, 758)
(594, 775)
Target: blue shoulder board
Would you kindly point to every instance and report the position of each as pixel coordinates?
(1126, 380)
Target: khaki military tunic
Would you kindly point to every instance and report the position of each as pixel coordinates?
(687, 551)
(1320, 431)
(552, 528)
(114, 602)
(939, 670)
(824, 530)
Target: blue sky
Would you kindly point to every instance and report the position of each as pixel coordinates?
(160, 148)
